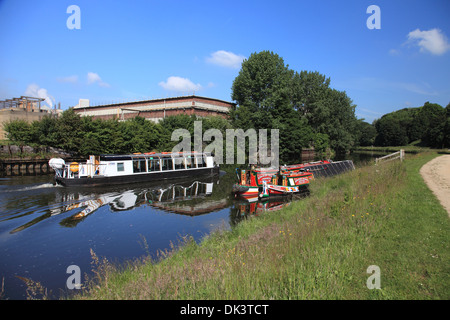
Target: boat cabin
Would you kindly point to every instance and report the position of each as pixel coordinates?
(134, 167)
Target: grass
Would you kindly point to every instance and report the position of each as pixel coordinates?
(316, 248)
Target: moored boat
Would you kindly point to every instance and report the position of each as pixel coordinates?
(263, 182)
(287, 179)
(323, 168)
(119, 169)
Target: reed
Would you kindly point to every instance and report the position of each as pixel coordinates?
(317, 248)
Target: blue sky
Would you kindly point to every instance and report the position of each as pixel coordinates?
(134, 50)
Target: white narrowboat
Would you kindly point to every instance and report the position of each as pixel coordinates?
(119, 169)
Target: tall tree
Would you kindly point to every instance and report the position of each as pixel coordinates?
(302, 105)
(261, 90)
(69, 134)
(390, 132)
(433, 118)
(366, 133)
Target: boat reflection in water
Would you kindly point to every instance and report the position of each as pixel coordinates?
(189, 198)
(46, 228)
(248, 207)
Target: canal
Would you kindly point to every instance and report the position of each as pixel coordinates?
(44, 228)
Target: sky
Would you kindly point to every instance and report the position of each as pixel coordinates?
(392, 56)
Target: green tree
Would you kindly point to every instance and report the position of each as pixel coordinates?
(446, 135)
(341, 123)
(69, 134)
(140, 135)
(171, 123)
(261, 90)
(18, 131)
(44, 132)
(310, 94)
(433, 119)
(269, 95)
(390, 132)
(366, 133)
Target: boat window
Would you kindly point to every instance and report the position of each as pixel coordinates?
(167, 164)
(189, 162)
(153, 165)
(201, 162)
(179, 163)
(120, 167)
(139, 165)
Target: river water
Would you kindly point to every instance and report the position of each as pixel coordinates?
(44, 228)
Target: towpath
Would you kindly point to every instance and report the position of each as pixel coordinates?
(436, 174)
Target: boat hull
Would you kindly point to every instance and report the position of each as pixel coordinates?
(135, 178)
(245, 191)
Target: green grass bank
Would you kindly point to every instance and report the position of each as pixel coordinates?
(316, 248)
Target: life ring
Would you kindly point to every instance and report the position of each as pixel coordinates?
(74, 167)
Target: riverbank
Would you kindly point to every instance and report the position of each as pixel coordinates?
(316, 248)
(408, 149)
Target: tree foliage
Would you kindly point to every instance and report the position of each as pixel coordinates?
(428, 123)
(85, 135)
(301, 105)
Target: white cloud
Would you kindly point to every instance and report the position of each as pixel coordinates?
(69, 79)
(394, 52)
(33, 90)
(371, 112)
(422, 88)
(225, 59)
(93, 78)
(433, 41)
(179, 84)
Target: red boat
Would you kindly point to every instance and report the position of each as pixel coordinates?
(288, 179)
(263, 182)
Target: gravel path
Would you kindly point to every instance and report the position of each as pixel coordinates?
(436, 174)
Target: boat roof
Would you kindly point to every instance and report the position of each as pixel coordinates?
(149, 155)
(262, 170)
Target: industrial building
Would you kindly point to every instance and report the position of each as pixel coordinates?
(157, 109)
(24, 108)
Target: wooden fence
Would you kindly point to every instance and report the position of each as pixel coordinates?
(396, 155)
